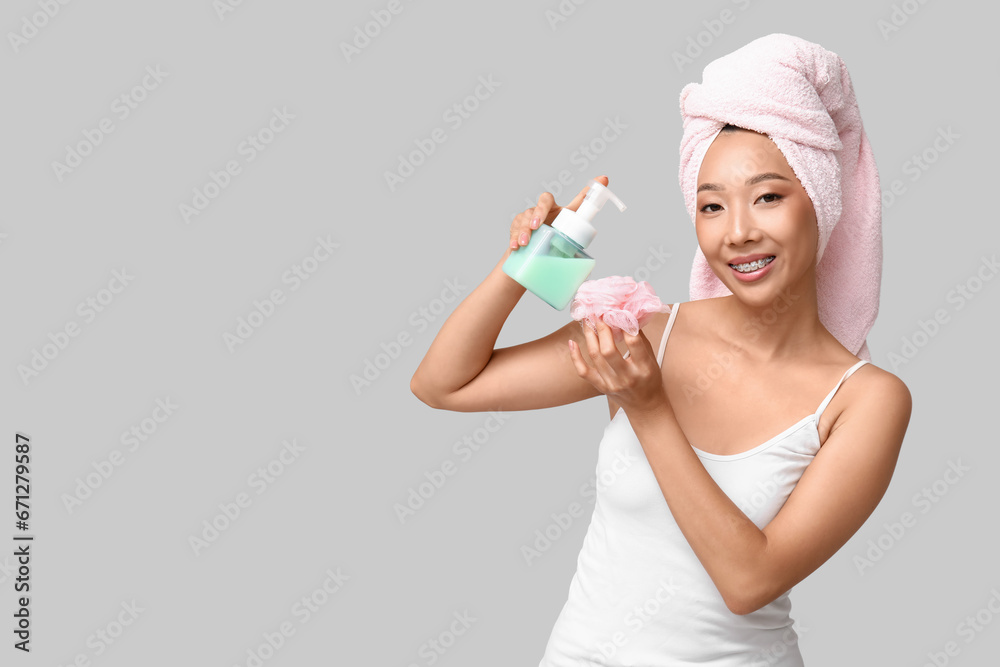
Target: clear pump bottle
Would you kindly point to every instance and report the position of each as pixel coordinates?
(553, 265)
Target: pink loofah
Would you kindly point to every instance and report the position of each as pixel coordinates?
(619, 302)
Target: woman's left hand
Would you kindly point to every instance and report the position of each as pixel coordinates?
(636, 383)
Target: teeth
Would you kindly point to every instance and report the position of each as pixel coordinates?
(752, 266)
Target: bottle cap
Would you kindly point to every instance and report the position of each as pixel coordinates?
(576, 224)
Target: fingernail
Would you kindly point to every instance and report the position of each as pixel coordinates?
(524, 237)
(534, 223)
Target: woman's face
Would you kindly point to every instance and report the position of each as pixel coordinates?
(750, 203)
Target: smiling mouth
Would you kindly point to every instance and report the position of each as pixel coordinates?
(755, 265)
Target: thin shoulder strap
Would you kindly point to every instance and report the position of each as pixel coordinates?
(666, 332)
(829, 397)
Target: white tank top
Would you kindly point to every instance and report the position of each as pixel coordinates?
(640, 596)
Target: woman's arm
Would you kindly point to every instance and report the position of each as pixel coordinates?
(461, 371)
(835, 496)
(463, 346)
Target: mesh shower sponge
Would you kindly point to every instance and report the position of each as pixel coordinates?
(619, 301)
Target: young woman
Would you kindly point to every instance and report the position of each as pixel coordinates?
(762, 443)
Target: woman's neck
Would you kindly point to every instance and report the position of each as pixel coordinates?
(781, 326)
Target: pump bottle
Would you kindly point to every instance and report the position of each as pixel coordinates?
(553, 265)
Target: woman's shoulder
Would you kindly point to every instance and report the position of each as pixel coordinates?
(876, 400)
(885, 385)
(657, 324)
(698, 305)
(696, 310)
(870, 393)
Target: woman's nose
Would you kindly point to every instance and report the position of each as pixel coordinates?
(740, 225)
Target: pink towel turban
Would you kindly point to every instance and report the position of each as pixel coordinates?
(800, 96)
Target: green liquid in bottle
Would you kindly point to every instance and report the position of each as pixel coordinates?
(550, 267)
(554, 279)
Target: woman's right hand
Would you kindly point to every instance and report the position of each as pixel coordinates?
(542, 214)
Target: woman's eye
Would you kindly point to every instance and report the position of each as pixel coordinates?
(706, 209)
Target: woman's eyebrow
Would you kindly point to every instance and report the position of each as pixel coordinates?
(753, 180)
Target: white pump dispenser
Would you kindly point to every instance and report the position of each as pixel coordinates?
(576, 224)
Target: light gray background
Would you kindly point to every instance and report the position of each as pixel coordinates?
(324, 176)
